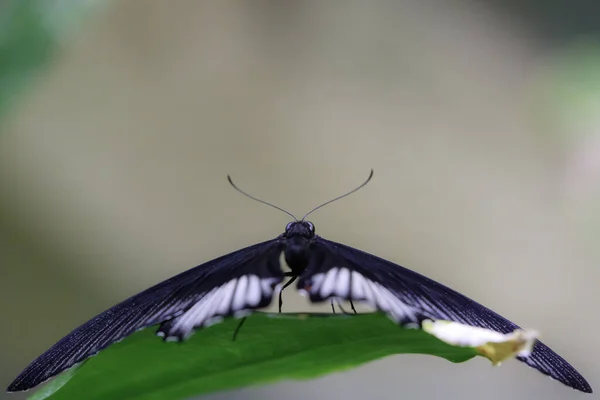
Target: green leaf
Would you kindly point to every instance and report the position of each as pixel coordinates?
(55, 384)
(269, 347)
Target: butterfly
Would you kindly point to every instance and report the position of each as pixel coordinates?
(246, 280)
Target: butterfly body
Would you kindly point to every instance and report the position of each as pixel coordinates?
(246, 280)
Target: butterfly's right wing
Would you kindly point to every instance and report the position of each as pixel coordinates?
(239, 281)
(407, 297)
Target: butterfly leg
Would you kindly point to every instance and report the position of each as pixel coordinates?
(352, 306)
(339, 303)
(237, 329)
(288, 283)
(332, 307)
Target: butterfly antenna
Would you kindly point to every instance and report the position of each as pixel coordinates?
(259, 200)
(339, 197)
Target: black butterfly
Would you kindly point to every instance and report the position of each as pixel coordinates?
(246, 280)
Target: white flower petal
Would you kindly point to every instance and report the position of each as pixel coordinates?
(493, 345)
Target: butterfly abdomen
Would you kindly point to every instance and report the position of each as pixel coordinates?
(297, 239)
(297, 254)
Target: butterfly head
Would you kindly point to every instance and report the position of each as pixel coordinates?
(300, 228)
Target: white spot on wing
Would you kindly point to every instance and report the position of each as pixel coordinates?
(254, 291)
(377, 296)
(239, 298)
(235, 297)
(228, 290)
(329, 283)
(368, 291)
(351, 285)
(357, 291)
(342, 284)
(316, 282)
(266, 285)
(198, 314)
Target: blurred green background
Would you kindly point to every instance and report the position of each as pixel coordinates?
(120, 120)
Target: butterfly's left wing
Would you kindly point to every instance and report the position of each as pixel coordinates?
(339, 271)
(237, 282)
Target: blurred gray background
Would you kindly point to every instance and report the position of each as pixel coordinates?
(482, 122)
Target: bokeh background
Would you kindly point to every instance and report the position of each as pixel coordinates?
(120, 120)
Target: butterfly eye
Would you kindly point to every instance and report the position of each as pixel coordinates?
(288, 226)
(310, 225)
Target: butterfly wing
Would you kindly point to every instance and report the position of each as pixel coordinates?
(340, 271)
(234, 283)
